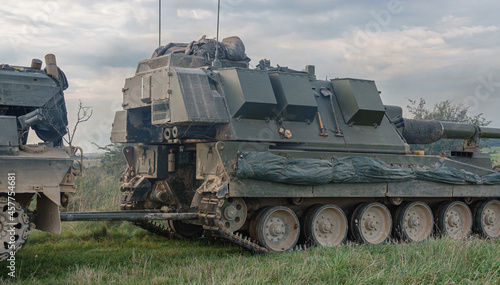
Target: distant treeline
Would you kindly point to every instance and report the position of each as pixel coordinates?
(490, 142)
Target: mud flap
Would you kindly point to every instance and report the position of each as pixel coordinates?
(53, 193)
(47, 215)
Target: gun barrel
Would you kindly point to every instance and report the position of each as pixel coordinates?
(31, 119)
(462, 131)
(425, 132)
(490, 133)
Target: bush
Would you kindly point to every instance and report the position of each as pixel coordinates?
(98, 189)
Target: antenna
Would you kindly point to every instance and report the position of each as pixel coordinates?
(159, 23)
(216, 62)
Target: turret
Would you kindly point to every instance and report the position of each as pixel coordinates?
(32, 98)
(177, 95)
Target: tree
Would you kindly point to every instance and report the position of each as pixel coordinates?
(113, 161)
(55, 115)
(83, 115)
(444, 111)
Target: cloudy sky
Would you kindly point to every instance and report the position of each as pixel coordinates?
(437, 50)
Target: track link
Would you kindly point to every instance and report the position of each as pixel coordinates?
(157, 229)
(154, 227)
(209, 211)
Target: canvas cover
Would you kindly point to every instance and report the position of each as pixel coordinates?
(231, 48)
(350, 169)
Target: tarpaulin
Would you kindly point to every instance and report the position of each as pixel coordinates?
(350, 169)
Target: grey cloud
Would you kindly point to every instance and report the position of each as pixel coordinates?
(432, 50)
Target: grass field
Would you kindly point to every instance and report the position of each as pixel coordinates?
(120, 253)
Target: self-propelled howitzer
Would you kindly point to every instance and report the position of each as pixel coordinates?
(273, 157)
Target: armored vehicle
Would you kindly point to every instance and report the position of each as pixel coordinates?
(38, 175)
(273, 159)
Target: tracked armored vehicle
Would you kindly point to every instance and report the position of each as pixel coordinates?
(38, 175)
(273, 158)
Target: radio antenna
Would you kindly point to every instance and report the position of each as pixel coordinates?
(159, 23)
(216, 62)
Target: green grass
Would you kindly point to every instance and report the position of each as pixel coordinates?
(494, 153)
(96, 191)
(119, 253)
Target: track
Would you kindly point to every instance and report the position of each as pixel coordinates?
(210, 213)
(159, 228)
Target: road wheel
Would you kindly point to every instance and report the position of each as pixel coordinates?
(414, 221)
(487, 219)
(325, 225)
(371, 223)
(454, 219)
(277, 228)
(185, 230)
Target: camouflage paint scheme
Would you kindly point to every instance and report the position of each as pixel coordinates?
(186, 117)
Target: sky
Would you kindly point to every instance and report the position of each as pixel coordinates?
(436, 50)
